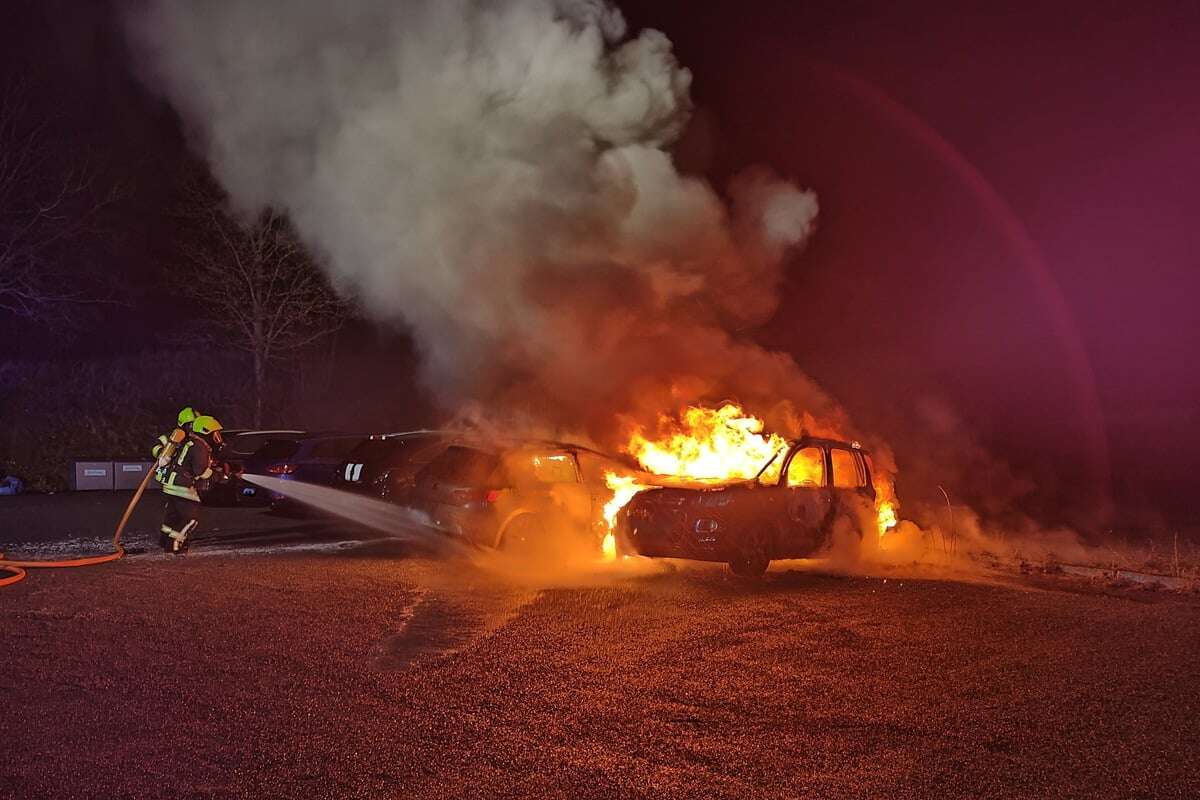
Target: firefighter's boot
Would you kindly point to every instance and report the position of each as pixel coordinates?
(176, 542)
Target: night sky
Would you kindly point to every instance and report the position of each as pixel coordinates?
(1008, 205)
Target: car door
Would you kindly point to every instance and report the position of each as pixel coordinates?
(850, 480)
(560, 480)
(807, 507)
(456, 483)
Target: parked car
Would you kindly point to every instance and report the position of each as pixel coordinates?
(383, 465)
(239, 446)
(791, 514)
(516, 495)
(311, 459)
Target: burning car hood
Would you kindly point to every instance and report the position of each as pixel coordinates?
(652, 481)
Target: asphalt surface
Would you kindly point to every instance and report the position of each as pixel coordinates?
(302, 658)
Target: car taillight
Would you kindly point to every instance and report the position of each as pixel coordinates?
(281, 469)
(491, 496)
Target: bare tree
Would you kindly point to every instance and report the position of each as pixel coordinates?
(257, 283)
(44, 204)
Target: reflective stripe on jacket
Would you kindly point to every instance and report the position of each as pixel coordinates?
(193, 461)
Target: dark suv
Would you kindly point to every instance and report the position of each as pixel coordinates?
(788, 512)
(383, 465)
(517, 495)
(311, 459)
(239, 446)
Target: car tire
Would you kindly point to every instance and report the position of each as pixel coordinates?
(752, 557)
(624, 546)
(749, 566)
(525, 534)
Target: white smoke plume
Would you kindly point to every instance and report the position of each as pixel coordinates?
(496, 177)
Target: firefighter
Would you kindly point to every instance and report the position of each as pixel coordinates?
(185, 468)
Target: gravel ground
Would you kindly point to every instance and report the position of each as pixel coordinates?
(257, 668)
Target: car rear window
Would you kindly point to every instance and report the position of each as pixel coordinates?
(277, 450)
(246, 444)
(540, 467)
(334, 448)
(402, 449)
(373, 450)
(464, 465)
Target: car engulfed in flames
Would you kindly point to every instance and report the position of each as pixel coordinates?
(716, 487)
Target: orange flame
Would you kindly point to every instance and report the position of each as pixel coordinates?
(624, 487)
(708, 445)
(887, 507)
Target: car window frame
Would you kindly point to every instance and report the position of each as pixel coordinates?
(860, 469)
(825, 466)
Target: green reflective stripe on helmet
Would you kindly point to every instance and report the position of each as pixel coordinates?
(205, 424)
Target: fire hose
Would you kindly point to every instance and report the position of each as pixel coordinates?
(17, 569)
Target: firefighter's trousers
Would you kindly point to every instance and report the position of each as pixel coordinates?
(181, 517)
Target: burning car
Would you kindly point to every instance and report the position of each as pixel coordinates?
(516, 495)
(788, 510)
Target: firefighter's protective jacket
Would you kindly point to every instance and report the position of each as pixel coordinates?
(192, 462)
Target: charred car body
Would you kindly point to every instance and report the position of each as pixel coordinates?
(789, 511)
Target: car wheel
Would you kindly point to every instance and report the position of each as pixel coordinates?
(525, 534)
(752, 557)
(624, 546)
(749, 566)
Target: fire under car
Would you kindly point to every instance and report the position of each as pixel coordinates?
(789, 511)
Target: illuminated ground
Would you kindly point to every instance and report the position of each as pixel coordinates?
(371, 670)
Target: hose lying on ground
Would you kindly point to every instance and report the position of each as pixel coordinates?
(17, 568)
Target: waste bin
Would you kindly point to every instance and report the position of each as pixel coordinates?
(128, 474)
(91, 475)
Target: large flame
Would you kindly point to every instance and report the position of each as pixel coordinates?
(715, 445)
(708, 445)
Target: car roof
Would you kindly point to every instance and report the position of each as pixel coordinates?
(268, 433)
(818, 440)
(498, 446)
(408, 434)
(322, 435)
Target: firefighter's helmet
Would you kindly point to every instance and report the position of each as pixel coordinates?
(204, 425)
(186, 414)
(209, 427)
